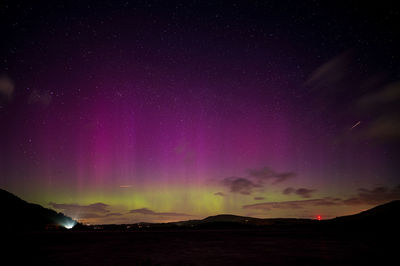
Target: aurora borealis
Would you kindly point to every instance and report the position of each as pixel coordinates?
(122, 112)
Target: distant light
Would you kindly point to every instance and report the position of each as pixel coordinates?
(69, 225)
(319, 217)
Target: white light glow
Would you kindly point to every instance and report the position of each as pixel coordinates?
(69, 225)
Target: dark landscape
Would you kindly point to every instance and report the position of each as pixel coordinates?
(294, 246)
(367, 238)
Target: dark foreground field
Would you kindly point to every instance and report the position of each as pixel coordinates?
(31, 235)
(200, 247)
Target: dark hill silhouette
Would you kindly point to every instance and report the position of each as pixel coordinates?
(381, 217)
(230, 221)
(20, 215)
(387, 211)
(229, 218)
(221, 218)
(251, 220)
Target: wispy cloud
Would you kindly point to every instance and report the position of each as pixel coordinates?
(381, 104)
(95, 207)
(240, 185)
(91, 211)
(373, 102)
(385, 128)
(387, 94)
(6, 87)
(374, 196)
(303, 192)
(266, 173)
(295, 204)
(255, 179)
(331, 72)
(146, 211)
(367, 197)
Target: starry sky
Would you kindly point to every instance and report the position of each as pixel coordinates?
(130, 111)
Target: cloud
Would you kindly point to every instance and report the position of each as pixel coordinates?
(374, 196)
(259, 198)
(288, 190)
(371, 197)
(219, 194)
(91, 211)
(385, 127)
(95, 208)
(146, 211)
(113, 214)
(303, 192)
(295, 204)
(256, 178)
(142, 211)
(89, 215)
(6, 87)
(240, 185)
(332, 72)
(374, 97)
(381, 108)
(268, 174)
(37, 97)
(388, 94)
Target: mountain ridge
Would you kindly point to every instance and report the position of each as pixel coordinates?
(22, 215)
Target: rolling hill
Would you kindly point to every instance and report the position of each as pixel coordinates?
(382, 217)
(18, 214)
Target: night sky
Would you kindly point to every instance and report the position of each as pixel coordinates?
(121, 112)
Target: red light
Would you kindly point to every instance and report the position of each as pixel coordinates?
(319, 217)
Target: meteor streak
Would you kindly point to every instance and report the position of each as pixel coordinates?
(355, 125)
